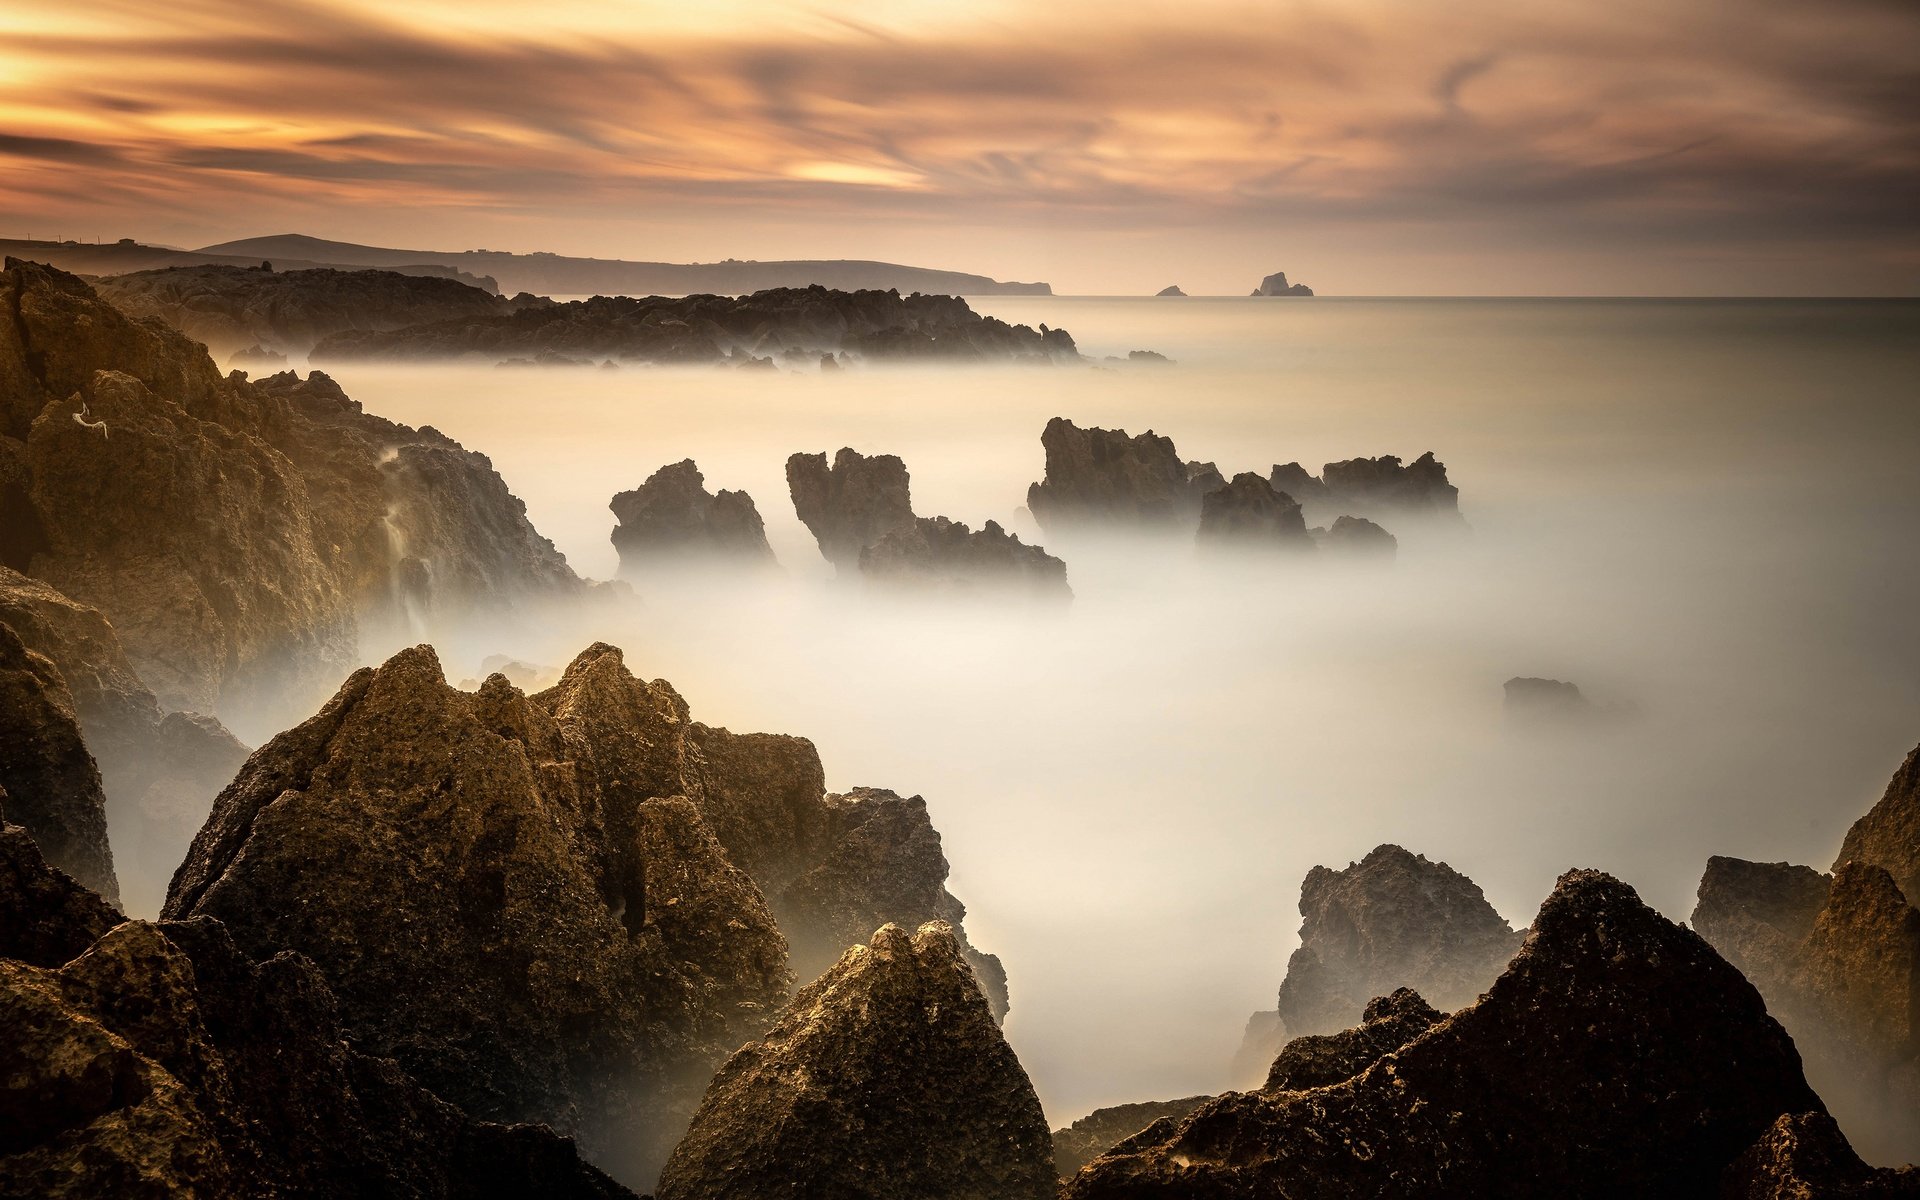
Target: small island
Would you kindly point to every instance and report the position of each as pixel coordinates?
(1172, 290)
(1276, 285)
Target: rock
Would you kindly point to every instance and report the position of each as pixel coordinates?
(1249, 514)
(709, 329)
(1758, 916)
(1393, 920)
(1173, 290)
(851, 506)
(1381, 486)
(1103, 1128)
(149, 1060)
(257, 357)
(233, 308)
(1264, 1035)
(1276, 285)
(52, 783)
(885, 1078)
(1532, 701)
(1103, 476)
(672, 520)
(1616, 1055)
(1358, 537)
(1292, 479)
(1889, 835)
(1152, 358)
(1804, 1156)
(1324, 1059)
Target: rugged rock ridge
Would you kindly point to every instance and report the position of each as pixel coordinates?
(1803, 1156)
(1276, 285)
(1324, 1059)
(860, 511)
(1616, 1055)
(1889, 835)
(237, 535)
(672, 520)
(157, 1060)
(45, 768)
(1372, 487)
(1099, 475)
(1249, 514)
(802, 323)
(1103, 1128)
(885, 1078)
(234, 308)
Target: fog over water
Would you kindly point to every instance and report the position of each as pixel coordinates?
(1706, 511)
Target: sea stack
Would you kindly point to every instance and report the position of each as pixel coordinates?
(1276, 285)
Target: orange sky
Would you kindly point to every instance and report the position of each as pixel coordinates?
(1364, 146)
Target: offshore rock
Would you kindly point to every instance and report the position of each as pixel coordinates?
(853, 504)
(52, 783)
(1276, 285)
(1171, 290)
(1375, 486)
(1248, 513)
(234, 308)
(1103, 1128)
(1532, 701)
(1616, 1055)
(672, 520)
(885, 1078)
(1324, 1059)
(1393, 920)
(1804, 1156)
(709, 329)
(1359, 538)
(1103, 476)
(1293, 479)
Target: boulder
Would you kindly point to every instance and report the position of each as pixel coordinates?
(1616, 1055)
(1248, 514)
(1276, 285)
(52, 783)
(672, 520)
(885, 1078)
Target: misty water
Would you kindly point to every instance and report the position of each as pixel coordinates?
(1703, 513)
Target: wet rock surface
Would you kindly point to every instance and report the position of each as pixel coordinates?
(233, 308)
(672, 520)
(1616, 1055)
(1389, 921)
(1103, 1128)
(705, 329)
(1324, 1059)
(52, 783)
(886, 1077)
(1247, 513)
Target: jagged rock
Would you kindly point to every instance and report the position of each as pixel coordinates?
(1324, 1059)
(1103, 1128)
(1529, 700)
(853, 504)
(1248, 513)
(1172, 290)
(1293, 479)
(1371, 487)
(1360, 538)
(672, 519)
(52, 782)
(156, 1060)
(1617, 1055)
(885, 1078)
(1804, 1156)
(701, 328)
(1204, 477)
(232, 308)
(1390, 921)
(1889, 835)
(1758, 916)
(1276, 285)
(1104, 476)
(236, 534)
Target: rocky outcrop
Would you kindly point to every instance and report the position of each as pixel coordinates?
(1530, 700)
(1616, 1055)
(237, 535)
(1103, 476)
(1804, 1156)
(860, 511)
(808, 321)
(1248, 514)
(148, 1060)
(1392, 920)
(1103, 1128)
(1171, 290)
(1324, 1059)
(885, 1078)
(672, 520)
(1276, 285)
(1293, 479)
(1889, 835)
(1357, 537)
(1372, 487)
(52, 783)
(234, 308)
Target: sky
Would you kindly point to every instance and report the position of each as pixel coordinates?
(1366, 147)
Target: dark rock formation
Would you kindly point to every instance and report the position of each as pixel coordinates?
(1617, 1055)
(1172, 290)
(1276, 285)
(1293, 479)
(885, 1078)
(150, 1060)
(234, 308)
(1889, 835)
(51, 781)
(1371, 487)
(1529, 700)
(1103, 1128)
(672, 520)
(236, 534)
(1204, 477)
(852, 505)
(1758, 916)
(1393, 920)
(1249, 514)
(1359, 538)
(1804, 1156)
(1103, 476)
(1324, 1059)
(704, 329)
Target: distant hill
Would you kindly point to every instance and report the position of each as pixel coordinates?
(126, 256)
(555, 274)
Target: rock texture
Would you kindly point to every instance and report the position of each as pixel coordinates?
(1103, 476)
(1324, 1059)
(53, 784)
(851, 505)
(1247, 513)
(157, 1060)
(234, 308)
(673, 520)
(885, 1078)
(1103, 1128)
(1889, 835)
(1616, 1055)
(1371, 487)
(1389, 921)
(701, 329)
(237, 535)
(1276, 285)
(1804, 1156)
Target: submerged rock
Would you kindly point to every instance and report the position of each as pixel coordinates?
(1616, 1055)
(52, 783)
(1249, 514)
(1104, 476)
(672, 520)
(885, 1078)
(1104, 1128)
